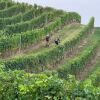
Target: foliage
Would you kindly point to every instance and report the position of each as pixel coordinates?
(4, 5)
(43, 58)
(21, 17)
(29, 25)
(48, 85)
(32, 36)
(14, 10)
(77, 63)
(22, 86)
(94, 75)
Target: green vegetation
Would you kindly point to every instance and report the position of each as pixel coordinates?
(29, 70)
(78, 62)
(14, 10)
(94, 76)
(23, 86)
(48, 56)
(32, 13)
(5, 5)
(35, 35)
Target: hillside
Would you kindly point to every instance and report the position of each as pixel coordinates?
(31, 70)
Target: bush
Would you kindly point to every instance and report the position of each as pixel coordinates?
(25, 86)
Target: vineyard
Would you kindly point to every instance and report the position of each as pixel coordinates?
(31, 70)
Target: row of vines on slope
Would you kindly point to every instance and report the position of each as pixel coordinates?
(8, 43)
(32, 24)
(32, 13)
(28, 15)
(78, 63)
(5, 5)
(38, 61)
(14, 10)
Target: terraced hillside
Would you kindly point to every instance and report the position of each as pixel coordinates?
(29, 70)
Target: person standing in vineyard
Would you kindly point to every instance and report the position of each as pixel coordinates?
(57, 41)
(47, 40)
